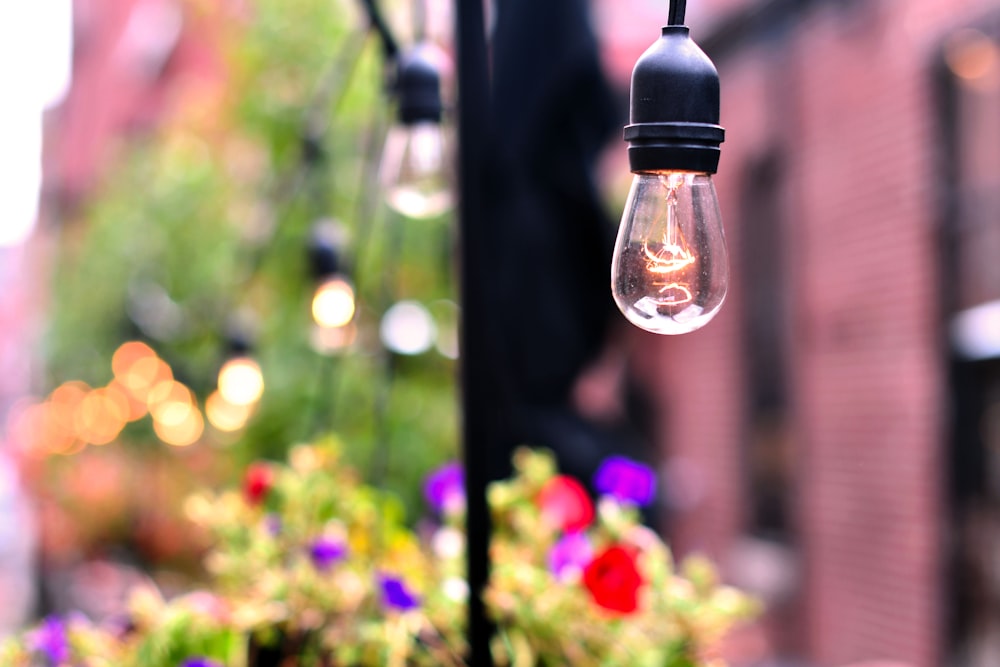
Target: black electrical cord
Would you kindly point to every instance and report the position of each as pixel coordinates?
(390, 48)
(675, 14)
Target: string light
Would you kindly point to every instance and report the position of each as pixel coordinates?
(416, 163)
(241, 381)
(670, 269)
(225, 416)
(333, 303)
(407, 328)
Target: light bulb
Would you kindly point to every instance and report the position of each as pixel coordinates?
(415, 170)
(670, 269)
(407, 328)
(333, 303)
(416, 164)
(241, 381)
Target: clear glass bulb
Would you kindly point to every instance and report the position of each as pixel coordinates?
(415, 170)
(670, 270)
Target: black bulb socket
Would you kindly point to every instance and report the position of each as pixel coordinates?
(418, 87)
(323, 255)
(674, 107)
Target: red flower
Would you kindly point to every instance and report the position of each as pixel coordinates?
(613, 580)
(257, 482)
(565, 503)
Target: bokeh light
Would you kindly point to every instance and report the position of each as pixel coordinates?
(135, 409)
(241, 381)
(973, 57)
(407, 328)
(60, 418)
(333, 304)
(127, 354)
(100, 416)
(138, 371)
(166, 393)
(225, 416)
(178, 424)
(177, 420)
(38, 429)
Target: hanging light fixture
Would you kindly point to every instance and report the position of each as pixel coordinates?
(333, 303)
(416, 162)
(407, 328)
(670, 270)
(240, 381)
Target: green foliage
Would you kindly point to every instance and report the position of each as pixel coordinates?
(208, 218)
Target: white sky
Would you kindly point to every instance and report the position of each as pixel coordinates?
(35, 65)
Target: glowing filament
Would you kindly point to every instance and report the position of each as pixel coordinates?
(672, 256)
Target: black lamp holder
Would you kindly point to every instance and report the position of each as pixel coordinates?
(674, 104)
(417, 82)
(324, 250)
(418, 86)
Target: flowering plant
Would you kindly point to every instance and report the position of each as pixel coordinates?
(577, 585)
(312, 567)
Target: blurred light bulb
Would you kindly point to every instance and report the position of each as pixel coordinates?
(225, 416)
(415, 170)
(670, 269)
(407, 328)
(180, 425)
(241, 381)
(333, 304)
(416, 165)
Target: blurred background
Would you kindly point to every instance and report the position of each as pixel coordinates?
(176, 171)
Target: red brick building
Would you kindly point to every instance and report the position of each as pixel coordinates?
(830, 435)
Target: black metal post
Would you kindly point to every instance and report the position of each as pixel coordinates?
(479, 440)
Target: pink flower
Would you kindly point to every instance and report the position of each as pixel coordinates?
(570, 554)
(565, 504)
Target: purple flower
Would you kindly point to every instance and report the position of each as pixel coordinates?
(395, 594)
(51, 640)
(570, 554)
(200, 662)
(273, 524)
(626, 480)
(325, 551)
(444, 488)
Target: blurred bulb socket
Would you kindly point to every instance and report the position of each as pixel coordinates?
(240, 334)
(326, 242)
(418, 86)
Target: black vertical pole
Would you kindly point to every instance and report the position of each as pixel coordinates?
(480, 441)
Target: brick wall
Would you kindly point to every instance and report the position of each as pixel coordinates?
(867, 362)
(845, 97)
